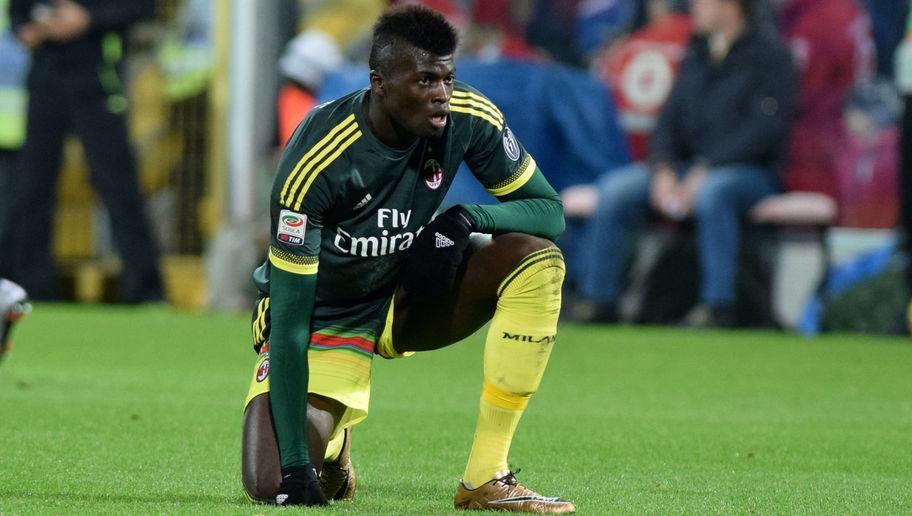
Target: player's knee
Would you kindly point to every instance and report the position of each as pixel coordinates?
(514, 248)
(260, 488)
(260, 467)
(537, 268)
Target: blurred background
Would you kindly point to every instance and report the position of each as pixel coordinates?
(214, 88)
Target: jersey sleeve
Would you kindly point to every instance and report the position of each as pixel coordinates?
(494, 155)
(507, 171)
(534, 209)
(301, 195)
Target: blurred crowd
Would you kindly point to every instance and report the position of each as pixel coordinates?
(635, 111)
(840, 49)
(716, 117)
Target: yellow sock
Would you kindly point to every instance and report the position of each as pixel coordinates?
(517, 348)
(334, 447)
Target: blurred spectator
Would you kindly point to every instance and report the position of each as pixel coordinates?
(598, 22)
(552, 27)
(641, 69)
(453, 10)
(74, 84)
(306, 61)
(715, 153)
(13, 66)
(868, 158)
(186, 52)
(347, 22)
(888, 27)
(832, 50)
(497, 32)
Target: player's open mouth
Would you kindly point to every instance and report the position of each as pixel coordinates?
(439, 121)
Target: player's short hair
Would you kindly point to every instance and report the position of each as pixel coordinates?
(413, 25)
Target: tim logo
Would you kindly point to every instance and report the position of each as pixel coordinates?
(290, 239)
(433, 174)
(263, 371)
(547, 339)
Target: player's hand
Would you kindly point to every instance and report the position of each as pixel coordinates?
(434, 258)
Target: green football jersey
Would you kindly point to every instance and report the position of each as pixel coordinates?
(346, 207)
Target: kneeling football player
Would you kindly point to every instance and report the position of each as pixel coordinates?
(357, 267)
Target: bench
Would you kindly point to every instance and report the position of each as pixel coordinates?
(782, 215)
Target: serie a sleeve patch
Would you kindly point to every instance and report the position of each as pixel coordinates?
(292, 226)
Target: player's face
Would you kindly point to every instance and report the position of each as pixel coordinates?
(417, 95)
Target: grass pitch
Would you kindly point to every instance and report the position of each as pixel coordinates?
(138, 410)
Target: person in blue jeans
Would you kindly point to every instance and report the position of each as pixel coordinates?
(716, 151)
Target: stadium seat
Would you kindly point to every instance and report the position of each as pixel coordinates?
(795, 209)
(773, 219)
(811, 211)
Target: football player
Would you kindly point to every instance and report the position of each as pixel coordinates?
(357, 267)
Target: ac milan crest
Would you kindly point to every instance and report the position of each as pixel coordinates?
(262, 371)
(433, 174)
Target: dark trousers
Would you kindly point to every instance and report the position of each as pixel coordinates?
(905, 180)
(60, 102)
(7, 162)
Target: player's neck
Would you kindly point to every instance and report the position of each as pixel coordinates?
(385, 128)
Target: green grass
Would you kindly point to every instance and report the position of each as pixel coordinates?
(119, 410)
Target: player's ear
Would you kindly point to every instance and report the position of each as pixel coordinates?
(376, 82)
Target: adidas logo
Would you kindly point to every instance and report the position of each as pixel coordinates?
(442, 241)
(364, 201)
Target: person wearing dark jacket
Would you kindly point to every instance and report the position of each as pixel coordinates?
(74, 85)
(716, 152)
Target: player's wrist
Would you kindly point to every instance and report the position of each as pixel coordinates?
(462, 216)
(434, 258)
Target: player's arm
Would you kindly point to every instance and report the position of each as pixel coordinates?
(534, 208)
(292, 288)
(528, 203)
(298, 203)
